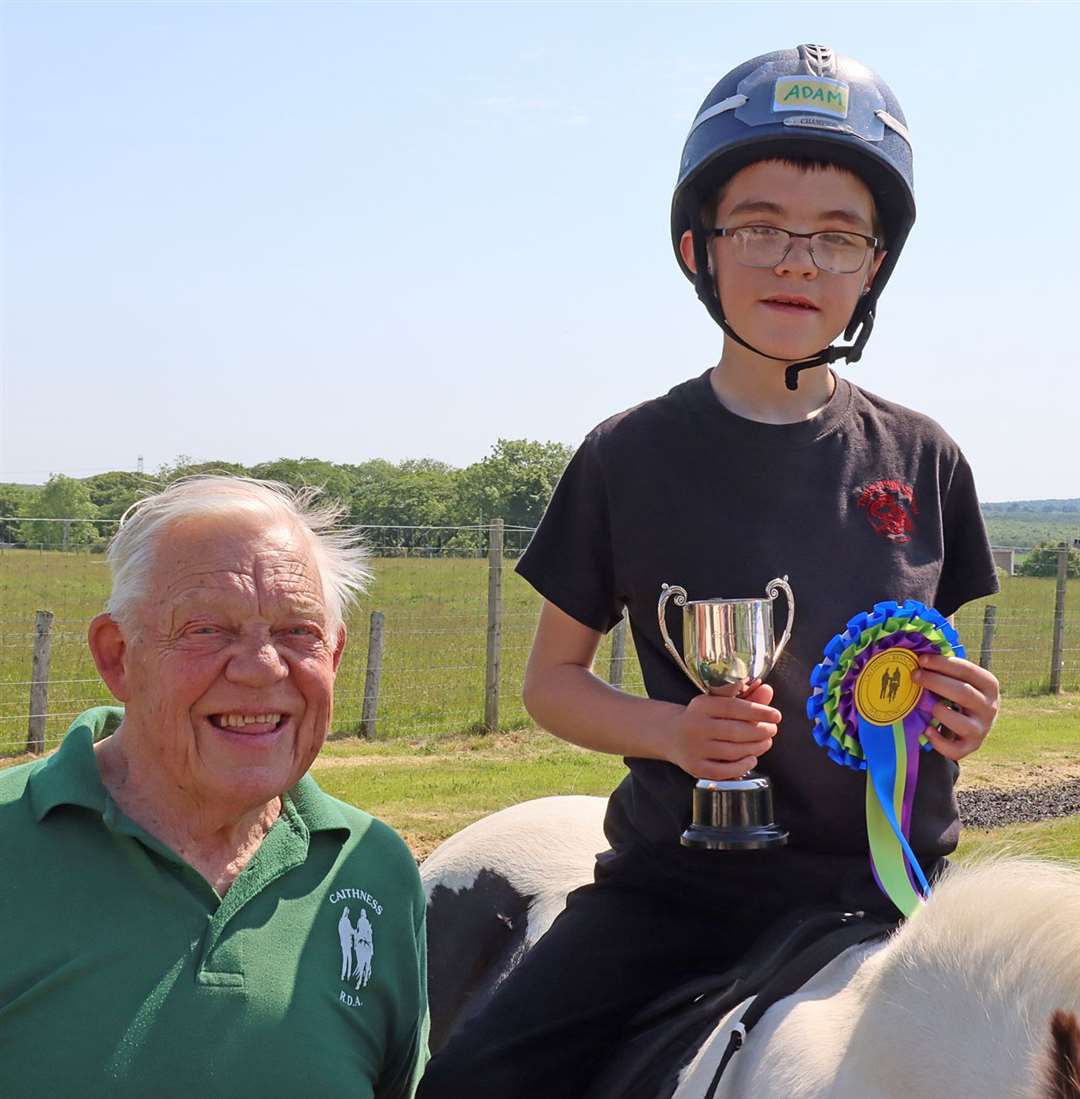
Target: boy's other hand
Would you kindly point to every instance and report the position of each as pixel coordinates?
(974, 693)
(721, 737)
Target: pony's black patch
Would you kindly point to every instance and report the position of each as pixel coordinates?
(475, 938)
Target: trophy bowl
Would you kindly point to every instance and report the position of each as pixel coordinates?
(729, 647)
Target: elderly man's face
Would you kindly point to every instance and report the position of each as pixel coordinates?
(230, 665)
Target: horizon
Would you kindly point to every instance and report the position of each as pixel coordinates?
(157, 475)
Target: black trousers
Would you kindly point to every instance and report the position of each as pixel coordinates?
(647, 923)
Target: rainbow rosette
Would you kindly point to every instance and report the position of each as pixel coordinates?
(870, 715)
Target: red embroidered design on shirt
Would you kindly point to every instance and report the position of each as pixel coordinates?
(890, 507)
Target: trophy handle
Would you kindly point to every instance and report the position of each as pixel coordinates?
(772, 590)
(666, 592)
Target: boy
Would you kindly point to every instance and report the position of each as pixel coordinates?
(793, 202)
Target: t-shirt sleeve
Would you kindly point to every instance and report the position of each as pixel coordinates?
(968, 568)
(569, 560)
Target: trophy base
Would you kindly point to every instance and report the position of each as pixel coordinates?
(733, 839)
(733, 816)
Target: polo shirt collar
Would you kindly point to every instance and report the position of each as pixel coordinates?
(71, 777)
(319, 811)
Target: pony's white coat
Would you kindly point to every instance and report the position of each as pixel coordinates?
(956, 1004)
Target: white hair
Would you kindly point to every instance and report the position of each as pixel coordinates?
(339, 552)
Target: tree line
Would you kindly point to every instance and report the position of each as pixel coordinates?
(513, 482)
(1043, 561)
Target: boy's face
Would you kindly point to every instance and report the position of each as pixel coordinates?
(792, 310)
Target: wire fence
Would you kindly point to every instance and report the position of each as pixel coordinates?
(438, 645)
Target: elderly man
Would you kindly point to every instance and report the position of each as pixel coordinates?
(173, 884)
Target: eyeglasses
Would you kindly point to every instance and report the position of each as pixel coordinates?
(838, 253)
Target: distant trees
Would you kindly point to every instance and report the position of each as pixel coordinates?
(514, 482)
(1043, 561)
(12, 502)
(334, 480)
(63, 498)
(113, 493)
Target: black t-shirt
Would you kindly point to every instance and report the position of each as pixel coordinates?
(866, 501)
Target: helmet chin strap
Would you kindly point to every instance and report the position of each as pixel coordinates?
(706, 292)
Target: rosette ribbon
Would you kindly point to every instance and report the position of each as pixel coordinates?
(869, 715)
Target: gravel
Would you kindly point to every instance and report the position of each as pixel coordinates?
(993, 808)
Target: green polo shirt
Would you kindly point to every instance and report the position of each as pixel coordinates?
(123, 973)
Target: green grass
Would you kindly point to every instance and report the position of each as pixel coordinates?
(437, 789)
(433, 667)
(431, 788)
(1054, 839)
(1023, 636)
(428, 791)
(1030, 736)
(433, 663)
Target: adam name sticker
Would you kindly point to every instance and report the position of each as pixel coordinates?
(813, 94)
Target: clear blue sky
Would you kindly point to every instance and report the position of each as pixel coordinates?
(252, 230)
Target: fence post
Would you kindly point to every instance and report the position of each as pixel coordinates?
(1057, 658)
(986, 652)
(494, 626)
(618, 652)
(372, 676)
(39, 681)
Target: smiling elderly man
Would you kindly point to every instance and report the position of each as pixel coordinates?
(182, 910)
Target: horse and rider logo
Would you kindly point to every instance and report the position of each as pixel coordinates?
(885, 691)
(890, 681)
(356, 936)
(357, 947)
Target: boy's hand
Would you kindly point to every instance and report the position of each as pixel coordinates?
(721, 737)
(974, 691)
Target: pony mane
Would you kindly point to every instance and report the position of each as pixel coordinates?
(1006, 923)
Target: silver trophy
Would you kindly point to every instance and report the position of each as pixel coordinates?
(729, 647)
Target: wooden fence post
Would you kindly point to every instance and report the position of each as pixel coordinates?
(372, 676)
(618, 653)
(1057, 658)
(986, 652)
(494, 626)
(39, 681)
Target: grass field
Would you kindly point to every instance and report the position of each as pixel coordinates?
(429, 787)
(435, 629)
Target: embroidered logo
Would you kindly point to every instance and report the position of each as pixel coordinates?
(357, 942)
(890, 506)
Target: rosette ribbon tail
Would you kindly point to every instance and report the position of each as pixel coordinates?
(868, 712)
(892, 759)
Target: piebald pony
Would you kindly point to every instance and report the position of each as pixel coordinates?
(958, 1003)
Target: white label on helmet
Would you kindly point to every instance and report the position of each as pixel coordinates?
(817, 94)
(811, 122)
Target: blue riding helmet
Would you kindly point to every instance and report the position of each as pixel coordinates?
(808, 102)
